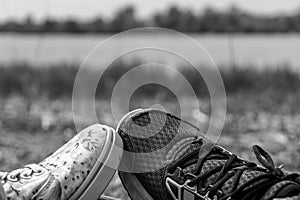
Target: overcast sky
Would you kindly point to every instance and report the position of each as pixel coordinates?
(89, 8)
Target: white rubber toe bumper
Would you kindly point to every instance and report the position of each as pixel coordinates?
(103, 170)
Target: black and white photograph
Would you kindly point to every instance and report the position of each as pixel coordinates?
(149, 100)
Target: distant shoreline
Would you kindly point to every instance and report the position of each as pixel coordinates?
(233, 20)
(146, 33)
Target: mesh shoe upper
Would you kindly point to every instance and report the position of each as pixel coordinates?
(151, 154)
(171, 152)
(62, 173)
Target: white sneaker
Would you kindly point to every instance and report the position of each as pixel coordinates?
(79, 170)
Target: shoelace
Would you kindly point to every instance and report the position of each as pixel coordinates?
(234, 167)
(24, 173)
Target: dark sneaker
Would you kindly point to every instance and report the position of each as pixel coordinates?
(175, 163)
(79, 170)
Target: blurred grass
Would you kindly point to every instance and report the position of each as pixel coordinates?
(36, 110)
(57, 81)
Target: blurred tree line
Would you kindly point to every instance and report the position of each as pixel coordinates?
(231, 20)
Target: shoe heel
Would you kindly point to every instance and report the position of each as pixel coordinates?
(134, 188)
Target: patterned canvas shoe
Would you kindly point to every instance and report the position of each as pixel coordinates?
(168, 159)
(81, 169)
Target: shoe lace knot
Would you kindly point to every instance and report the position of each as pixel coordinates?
(266, 160)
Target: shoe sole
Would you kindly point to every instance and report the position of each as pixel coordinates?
(103, 170)
(132, 185)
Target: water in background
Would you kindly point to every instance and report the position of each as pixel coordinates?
(243, 50)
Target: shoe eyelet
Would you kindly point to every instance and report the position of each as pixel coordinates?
(39, 172)
(12, 178)
(25, 176)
